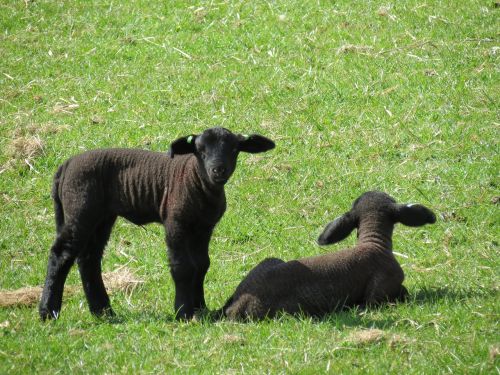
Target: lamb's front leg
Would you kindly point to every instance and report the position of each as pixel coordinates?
(385, 287)
(183, 274)
(403, 294)
(197, 246)
(182, 269)
(199, 255)
(202, 262)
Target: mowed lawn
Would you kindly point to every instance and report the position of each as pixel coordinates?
(399, 96)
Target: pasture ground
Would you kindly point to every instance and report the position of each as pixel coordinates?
(400, 96)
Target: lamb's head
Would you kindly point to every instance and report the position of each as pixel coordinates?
(377, 210)
(217, 150)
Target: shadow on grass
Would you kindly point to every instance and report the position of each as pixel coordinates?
(427, 296)
(139, 317)
(349, 317)
(367, 316)
(206, 316)
(356, 318)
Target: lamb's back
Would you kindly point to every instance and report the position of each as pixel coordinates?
(315, 285)
(125, 182)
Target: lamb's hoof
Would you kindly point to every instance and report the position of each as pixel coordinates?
(184, 316)
(202, 314)
(47, 314)
(103, 313)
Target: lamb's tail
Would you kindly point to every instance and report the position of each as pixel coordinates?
(58, 207)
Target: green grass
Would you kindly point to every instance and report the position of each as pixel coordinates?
(357, 96)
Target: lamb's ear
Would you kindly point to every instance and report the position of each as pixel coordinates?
(414, 215)
(183, 145)
(338, 229)
(255, 143)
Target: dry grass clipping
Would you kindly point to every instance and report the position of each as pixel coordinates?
(23, 148)
(26, 147)
(385, 12)
(494, 352)
(65, 107)
(366, 336)
(351, 48)
(121, 279)
(233, 339)
(37, 129)
(26, 143)
(46, 128)
(372, 336)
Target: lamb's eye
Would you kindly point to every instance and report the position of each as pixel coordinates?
(203, 155)
(235, 150)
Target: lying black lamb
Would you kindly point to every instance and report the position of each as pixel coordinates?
(366, 274)
(183, 190)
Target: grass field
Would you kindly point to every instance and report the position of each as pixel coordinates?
(396, 96)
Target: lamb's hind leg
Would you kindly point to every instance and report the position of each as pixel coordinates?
(62, 256)
(236, 307)
(89, 264)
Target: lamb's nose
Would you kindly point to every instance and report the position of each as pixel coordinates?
(219, 170)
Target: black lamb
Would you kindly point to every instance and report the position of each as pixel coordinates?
(183, 190)
(364, 275)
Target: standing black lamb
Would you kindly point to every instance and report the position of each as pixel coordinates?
(365, 274)
(183, 190)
